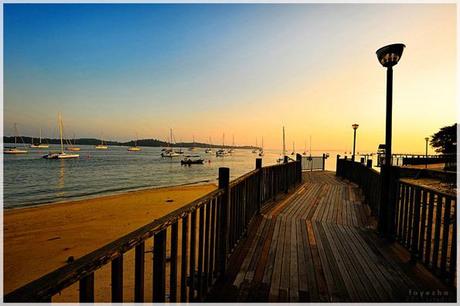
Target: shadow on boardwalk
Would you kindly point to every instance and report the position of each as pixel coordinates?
(319, 244)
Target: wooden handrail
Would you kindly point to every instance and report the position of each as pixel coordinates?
(63, 277)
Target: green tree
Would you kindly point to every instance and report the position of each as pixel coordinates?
(445, 141)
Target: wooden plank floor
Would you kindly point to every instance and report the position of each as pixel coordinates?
(319, 245)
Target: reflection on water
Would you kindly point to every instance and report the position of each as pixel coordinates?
(60, 186)
(30, 179)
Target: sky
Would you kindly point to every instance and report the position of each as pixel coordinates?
(246, 70)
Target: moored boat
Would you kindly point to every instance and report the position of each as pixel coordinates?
(189, 161)
(62, 154)
(15, 150)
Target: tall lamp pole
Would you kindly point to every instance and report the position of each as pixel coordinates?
(388, 56)
(426, 151)
(355, 127)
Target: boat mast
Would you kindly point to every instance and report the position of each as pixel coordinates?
(310, 145)
(40, 136)
(170, 138)
(60, 132)
(223, 140)
(284, 143)
(15, 133)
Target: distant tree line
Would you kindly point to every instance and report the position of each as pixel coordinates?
(140, 142)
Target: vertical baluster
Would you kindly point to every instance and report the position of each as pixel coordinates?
(212, 241)
(159, 267)
(183, 266)
(117, 279)
(405, 226)
(401, 211)
(416, 226)
(139, 264)
(206, 248)
(173, 264)
(445, 237)
(191, 292)
(87, 289)
(453, 248)
(421, 244)
(200, 254)
(224, 179)
(437, 230)
(429, 233)
(410, 216)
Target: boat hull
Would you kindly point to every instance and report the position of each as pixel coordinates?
(60, 156)
(101, 147)
(134, 149)
(15, 151)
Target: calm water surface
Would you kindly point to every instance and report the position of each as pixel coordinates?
(32, 180)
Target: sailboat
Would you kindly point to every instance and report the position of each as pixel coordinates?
(233, 145)
(305, 148)
(256, 149)
(281, 159)
(222, 152)
(72, 147)
(169, 152)
(192, 148)
(14, 150)
(209, 150)
(293, 148)
(40, 145)
(62, 154)
(261, 153)
(102, 146)
(135, 148)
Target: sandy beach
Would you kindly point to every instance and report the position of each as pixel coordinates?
(38, 240)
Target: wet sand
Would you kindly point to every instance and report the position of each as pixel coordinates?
(38, 240)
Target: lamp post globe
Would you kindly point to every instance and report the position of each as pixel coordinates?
(355, 127)
(388, 56)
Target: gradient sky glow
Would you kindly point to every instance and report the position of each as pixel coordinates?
(238, 69)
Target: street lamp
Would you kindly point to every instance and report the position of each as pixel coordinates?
(355, 127)
(388, 56)
(426, 151)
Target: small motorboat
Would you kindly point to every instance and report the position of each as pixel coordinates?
(134, 149)
(169, 153)
(189, 161)
(60, 155)
(14, 150)
(101, 147)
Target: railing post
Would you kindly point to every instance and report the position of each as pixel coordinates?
(324, 161)
(284, 174)
(299, 168)
(362, 160)
(393, 197)
(259, 183)
(224, 183)
(369, 163)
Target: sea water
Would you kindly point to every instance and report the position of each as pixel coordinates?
(31, 180)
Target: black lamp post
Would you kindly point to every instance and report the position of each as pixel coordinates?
(355, 127)
(426, 151)
(388, 56)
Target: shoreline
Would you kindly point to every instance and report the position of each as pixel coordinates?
(51, 233)
(104, 194)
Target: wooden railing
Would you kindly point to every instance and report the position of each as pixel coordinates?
(426, 224)
(191, 245)
(367, 179)
(425, 219)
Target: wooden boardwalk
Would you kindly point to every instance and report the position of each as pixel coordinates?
(319, 245)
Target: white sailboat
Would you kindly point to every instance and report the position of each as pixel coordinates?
(169, 152)
(256, 149)
(102, 146)
(261, 153)
(209, 150)
(192, 148)
(233, 145)
(222, 152)
(40, 145)
(15, 150)
(281, 159)
(135, 148)
(62, 154)
(72, 147)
